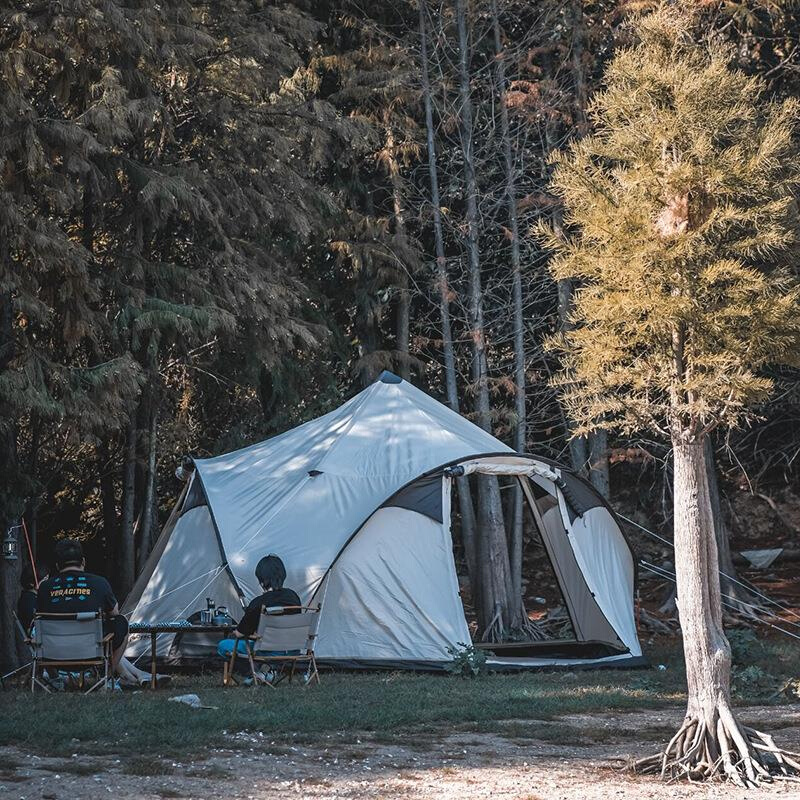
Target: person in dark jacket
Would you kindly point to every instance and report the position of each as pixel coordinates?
(270, 573)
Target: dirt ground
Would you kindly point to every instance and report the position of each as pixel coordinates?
(508, 763)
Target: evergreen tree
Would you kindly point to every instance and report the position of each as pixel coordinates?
(685, 220)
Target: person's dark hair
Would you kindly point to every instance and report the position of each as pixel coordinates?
(270, 572)
(68, 553)
(27, 578)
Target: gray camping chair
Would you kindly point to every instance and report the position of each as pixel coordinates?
(283, 640)
(71, 640)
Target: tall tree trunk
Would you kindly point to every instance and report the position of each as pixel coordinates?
(465, 507)
(499, 611)
(148, 509)
(10, 502)
(520, 410)
(403, 310)
(127, 543)
(109, 508)
(710, 733)
(597, 444)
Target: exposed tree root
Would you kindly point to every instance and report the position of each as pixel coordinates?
(527, 631)
(703, 750)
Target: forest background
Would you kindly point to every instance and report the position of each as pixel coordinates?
(219, 220)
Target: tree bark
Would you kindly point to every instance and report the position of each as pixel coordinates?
(148, 510)
(466, 509)
(499, 611)
(598, 462)
(109, 507)
(127, 544)
(10, 502)
(403, 309)
(520, 410)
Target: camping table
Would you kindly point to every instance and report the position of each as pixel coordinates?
(155, 629)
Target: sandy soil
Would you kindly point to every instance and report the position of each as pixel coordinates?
(454, 766)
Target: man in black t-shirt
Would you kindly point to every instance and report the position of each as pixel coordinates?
(72, 590)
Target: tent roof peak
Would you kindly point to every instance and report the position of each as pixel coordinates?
(389, 377)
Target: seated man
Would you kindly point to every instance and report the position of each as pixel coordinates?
(270, 573)
(72, 591)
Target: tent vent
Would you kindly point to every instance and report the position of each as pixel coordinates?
(314, 472)
(389, 377)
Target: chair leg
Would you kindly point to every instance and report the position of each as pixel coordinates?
(256, 679)
(228, 672)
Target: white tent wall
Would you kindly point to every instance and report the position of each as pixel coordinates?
(189, 570)
(393, 593)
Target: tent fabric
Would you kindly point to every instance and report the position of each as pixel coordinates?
(588, 621)
(390, 595)
(368, 449)
(423, 496)
(357, 505)
(190, 569)
(606, 564)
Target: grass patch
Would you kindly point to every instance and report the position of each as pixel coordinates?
(400, 708)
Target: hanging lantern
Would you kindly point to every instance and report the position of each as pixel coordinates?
(10, 544)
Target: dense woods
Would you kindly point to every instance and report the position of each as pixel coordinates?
(220, 219)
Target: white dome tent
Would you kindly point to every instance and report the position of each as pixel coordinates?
(357, 504)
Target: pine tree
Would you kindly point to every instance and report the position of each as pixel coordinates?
(682, 203)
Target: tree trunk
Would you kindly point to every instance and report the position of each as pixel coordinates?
(710, 736)
(466, 509)
(127, 544)
(598, 462)
(498, 610)
(520, 410)
(148, 510)
(11, 503)
(109, 507)
(403, 309)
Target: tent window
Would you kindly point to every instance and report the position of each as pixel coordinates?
(423, 496)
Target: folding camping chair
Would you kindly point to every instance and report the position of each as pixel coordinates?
(71, 640)
(283, 640)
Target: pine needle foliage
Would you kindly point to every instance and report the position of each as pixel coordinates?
(683, 229)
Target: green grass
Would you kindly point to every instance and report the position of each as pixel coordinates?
(387, 707)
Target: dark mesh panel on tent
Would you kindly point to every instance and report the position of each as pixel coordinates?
(423, 496)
